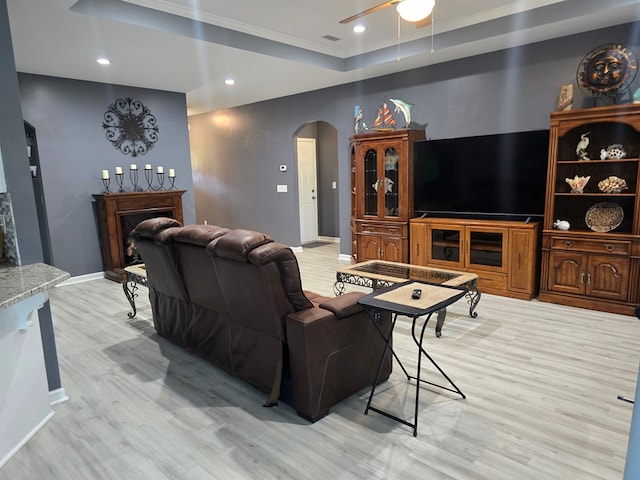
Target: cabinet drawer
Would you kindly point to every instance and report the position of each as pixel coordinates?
(380, 229)
(491, 282)
(615, 247)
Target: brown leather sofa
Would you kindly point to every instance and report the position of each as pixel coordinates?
(235, 298)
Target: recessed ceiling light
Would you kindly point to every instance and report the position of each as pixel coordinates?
(230, 81)
(359, 28)
(103, 61)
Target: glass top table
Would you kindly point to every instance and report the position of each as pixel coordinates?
(376, 274)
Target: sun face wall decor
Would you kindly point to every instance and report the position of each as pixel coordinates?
(130, 127)
(607, 70)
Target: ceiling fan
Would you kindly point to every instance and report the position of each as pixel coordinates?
(414, 11)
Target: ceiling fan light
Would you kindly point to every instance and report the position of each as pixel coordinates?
(415, 10)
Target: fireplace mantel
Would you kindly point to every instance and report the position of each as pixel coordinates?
(119, 213)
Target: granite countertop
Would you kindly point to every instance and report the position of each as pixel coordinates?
(19, 283)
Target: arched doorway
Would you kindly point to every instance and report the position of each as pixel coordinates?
(325, 138)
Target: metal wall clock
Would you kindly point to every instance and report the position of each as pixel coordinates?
(607, 70)
(130, 127)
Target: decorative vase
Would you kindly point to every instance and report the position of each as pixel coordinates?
(561, 225)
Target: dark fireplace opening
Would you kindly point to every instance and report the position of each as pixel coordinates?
(128, 222)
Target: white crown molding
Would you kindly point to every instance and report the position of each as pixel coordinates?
(201, 16)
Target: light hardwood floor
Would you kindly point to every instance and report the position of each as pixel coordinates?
(541, 382)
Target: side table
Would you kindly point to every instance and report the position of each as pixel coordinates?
(397, 299)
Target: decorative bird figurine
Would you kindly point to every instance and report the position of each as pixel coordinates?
(358, 119)
(359, 125)
(404, 108)
(581, 148)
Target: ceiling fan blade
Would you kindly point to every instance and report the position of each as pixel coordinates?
(370, 10)
(424, 23)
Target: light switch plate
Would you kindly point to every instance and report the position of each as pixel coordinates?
(281, 188)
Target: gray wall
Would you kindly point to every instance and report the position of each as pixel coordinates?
(20, 191)
(236, 152)
(328, 205)
(73, 149)
(14, 151)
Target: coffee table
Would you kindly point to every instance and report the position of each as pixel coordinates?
(376, 274)
(398, 300)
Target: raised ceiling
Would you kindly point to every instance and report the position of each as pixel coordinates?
(275, 48)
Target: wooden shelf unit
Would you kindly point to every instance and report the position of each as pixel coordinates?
(382, 194)
(504, 254)
(119, 213)
(599, 270)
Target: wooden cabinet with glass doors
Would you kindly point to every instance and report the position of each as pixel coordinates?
(596, 262)
(502, 253)
(382, 194)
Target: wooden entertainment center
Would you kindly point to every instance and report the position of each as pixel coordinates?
(504, 254)
(596, 262)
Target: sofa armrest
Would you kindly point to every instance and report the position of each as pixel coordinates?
(343, 305)
(332, 358)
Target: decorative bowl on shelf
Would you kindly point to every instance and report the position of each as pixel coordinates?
(604, 216)
(577, 183)
(612, 184)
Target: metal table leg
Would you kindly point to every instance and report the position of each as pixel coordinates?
(130, 288)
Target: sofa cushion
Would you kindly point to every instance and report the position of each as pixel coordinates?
(287, 263)
(151, 227)
(237, 244)
(199, 235)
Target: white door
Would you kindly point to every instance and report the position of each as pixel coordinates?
(307, 189)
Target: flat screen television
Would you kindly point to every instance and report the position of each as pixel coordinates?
(492, 176)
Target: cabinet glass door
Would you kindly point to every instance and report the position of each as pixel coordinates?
(370, 187)
(445, 245)
(485, 248)
(390, 182)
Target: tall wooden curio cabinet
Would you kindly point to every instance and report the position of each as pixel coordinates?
(596, 262)
(382, 194)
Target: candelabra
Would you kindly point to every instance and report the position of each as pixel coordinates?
(133, 174)
(160, 181)
(106, 182)
(148, 175)
(119, 181)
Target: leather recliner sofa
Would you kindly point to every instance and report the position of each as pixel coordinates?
(235, 298)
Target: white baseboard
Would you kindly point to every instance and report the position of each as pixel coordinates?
(344, 257)
(57, 396)
(15, 449)
(81, 278)
(296, 249)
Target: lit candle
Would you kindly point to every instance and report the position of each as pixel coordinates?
(133, 166)
(147, 166)
(160, 170)
(172, 173)
(118, 170)
(105, 174)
